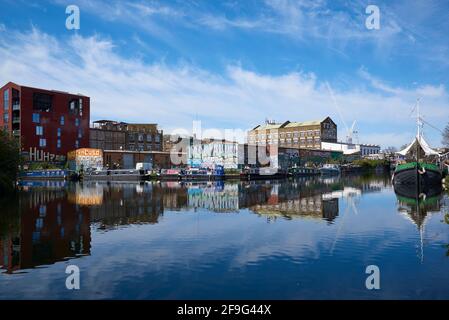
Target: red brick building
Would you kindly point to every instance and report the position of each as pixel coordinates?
(49, 123)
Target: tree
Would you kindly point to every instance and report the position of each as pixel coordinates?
(446, 136)
(9, 161)
(390, 150)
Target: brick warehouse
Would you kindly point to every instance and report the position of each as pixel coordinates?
(49, 123)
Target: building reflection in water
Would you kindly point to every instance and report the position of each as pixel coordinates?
(295, 200)
(43, 228)
(50, 222)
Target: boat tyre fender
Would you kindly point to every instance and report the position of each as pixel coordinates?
(423, 171)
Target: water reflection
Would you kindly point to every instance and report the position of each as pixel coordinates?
(416, 207)
(175, 239)
(41, 227)
(50, 221)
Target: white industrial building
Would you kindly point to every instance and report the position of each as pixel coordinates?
(351, 148)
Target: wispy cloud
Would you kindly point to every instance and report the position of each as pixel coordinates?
(406, 28)
(132, 90)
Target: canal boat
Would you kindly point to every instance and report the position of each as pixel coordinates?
(267, 173)
(330, 169)
(170, 174)
(50, 174)
(116, 175)
(215, 173)
(420, 166)
(302, 172)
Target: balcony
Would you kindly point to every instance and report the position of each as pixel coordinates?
(16, 120)
(16, 133)
(16, 107)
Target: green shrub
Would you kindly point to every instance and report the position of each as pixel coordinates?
(370, 164)
(9, 161)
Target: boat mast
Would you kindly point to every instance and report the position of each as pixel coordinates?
(418, 120)
(418, 144)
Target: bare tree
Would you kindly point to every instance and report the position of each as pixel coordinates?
(446, 136)
(390, 149)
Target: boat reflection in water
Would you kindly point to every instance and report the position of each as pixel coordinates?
(220, 239)
(418, 206)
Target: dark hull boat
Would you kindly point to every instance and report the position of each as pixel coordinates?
(418, 176)
(427, 190)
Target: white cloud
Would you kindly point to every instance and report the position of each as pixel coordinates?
(131, 90)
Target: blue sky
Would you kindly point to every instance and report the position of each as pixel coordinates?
(231, 64)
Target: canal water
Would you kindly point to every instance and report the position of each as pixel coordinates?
(288, 239)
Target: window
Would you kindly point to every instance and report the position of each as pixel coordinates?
(80, 133)
(5, 118)
(42, 101)
(77, 144)
(74, 106)
(77, 122)
(140, 137)
(62, 120)
(39, 131)
(6, 100)
(58, 144)
(59, 132)
(149, 138)
(42, 143)
(36, 118)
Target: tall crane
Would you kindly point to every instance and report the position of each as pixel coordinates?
(350, 132)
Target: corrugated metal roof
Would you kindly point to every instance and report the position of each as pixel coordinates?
(303, 124)
(288, 124)
(269, 126)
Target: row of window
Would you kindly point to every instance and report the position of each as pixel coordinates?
(40, 132)
(43, 143)
(148, 137)
(141, 147)
(307, 133)
(369, 151)
(44, 102)
(36, 119)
